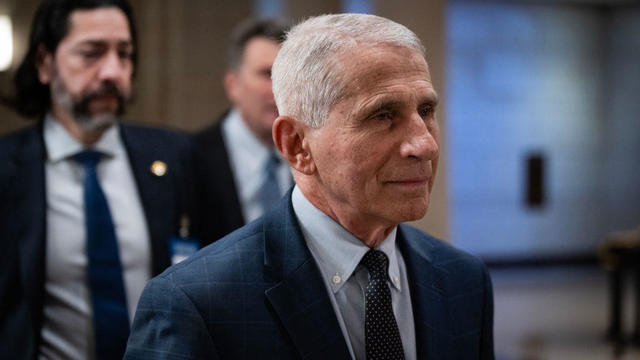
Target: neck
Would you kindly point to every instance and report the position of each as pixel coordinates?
(366, 229)
(82, 135)
(265, 137)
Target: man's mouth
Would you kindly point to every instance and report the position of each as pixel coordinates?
(107, 99)
(412, 179)
(104, 103)
(410, 182)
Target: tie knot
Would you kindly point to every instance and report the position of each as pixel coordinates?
(377, 263)
(88, 158)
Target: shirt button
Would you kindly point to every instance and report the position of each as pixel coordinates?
(336, 279)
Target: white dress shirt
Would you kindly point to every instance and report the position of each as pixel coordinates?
(338, 253)
(67, 331)
(248, 157)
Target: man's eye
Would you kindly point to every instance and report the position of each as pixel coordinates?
(265, 73)
(90, 54)
(125, 54)
(383, 116)
(426, 111)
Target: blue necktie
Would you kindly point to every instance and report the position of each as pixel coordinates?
(110, 316)
(270, 190)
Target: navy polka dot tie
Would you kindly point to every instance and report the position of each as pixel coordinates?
(382, 337)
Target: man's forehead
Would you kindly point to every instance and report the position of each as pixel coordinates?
(367, 65)
(258, 47)
(99, 24)
(373, 59)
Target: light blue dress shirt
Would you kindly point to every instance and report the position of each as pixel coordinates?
(67, 324)
(338, 253)
(248, 157)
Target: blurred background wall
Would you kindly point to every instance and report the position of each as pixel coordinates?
(539, 97)
(557, 82)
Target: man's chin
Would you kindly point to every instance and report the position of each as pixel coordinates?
(96, 123)
(413, 210)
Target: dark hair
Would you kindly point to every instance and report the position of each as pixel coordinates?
(50, 25)
(274, 29)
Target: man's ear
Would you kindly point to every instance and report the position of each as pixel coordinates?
(44, 65)
(290, 138)
(231, 85)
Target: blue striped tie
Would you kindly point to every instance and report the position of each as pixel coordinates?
(110, 316)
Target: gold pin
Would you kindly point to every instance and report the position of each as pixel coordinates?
(158, 168)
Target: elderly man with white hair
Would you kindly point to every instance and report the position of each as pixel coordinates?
(331, 272)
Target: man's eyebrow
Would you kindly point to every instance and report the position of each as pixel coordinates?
(388, 102)
(383, 103)
(431, 98)
(102, 42)
(378, 104)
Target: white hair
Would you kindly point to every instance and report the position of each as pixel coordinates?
(308, 78)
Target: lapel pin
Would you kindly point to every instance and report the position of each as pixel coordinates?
(158, 168)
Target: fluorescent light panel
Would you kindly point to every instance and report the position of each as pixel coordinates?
(6, 42)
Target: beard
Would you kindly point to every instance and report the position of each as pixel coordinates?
(79, 106)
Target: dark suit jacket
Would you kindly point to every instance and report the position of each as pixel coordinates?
(23, 219)
(257, 294)
(218, 202)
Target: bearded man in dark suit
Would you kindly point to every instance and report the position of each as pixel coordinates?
(88, 206)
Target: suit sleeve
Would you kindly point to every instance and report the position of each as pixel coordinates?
(167, 325)
(486, 345)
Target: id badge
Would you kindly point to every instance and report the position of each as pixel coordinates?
(181, 248)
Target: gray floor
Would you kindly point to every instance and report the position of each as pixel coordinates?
(555, 314)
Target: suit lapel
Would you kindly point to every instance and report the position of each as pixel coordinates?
(154, 194)
(428, 298)
(30, 214)
(299, 298)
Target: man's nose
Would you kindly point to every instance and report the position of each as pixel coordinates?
(113, 67)
(422, 139)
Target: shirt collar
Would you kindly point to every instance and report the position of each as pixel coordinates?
(336, 250)
(61, 145)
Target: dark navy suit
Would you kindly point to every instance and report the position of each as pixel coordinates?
(257, 294)
(23, 219)
(218, 199)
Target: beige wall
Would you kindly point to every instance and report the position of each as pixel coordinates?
(182, 54)
(181, 62)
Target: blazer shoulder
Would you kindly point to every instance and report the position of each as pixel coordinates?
(441, 254)
(17, 147)
(209, 142)
(10, 142)
(213, 130)
(210, 131)
(165, 137)
(146, 142)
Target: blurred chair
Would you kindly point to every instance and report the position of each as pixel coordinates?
(619, 254)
